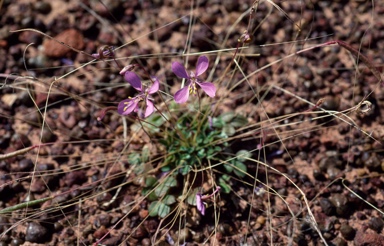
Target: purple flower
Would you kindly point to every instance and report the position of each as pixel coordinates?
(105, 51)
(209, 88)
(130, 105)
(200, 204)
(199, 200)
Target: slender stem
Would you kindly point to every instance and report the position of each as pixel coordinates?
(358, 55)
(25, 205)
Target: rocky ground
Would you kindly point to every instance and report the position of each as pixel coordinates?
(317, 116)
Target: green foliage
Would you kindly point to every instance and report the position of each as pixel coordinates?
(192, 143)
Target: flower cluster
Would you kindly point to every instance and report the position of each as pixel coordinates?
(130, 105)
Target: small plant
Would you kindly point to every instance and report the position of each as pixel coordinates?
(192, 144)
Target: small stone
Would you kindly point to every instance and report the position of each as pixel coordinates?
(36, 233)
(75, 177)
(17, 242)
(340, 242)
(143, 213)
(347, 231)
(99, 233)
(104, 220)
(48, 136)
(340, 201)
(146, 242)
(43, 7)
(9, 99)
(25, 165)
(70, 37)
(376, 224)
(112, 241)
(330, 103)
(38, 186)
(140, 232)
(327, 207)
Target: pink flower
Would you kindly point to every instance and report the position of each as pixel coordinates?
(199, 200)
(130, 105)
(209, 88)
(200, 204)
(105, 51)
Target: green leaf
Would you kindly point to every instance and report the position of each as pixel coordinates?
(228, 167)
(241, 169)
(166, 169)
(229, 130)
(242, 155)
(145, 154)
(151, 196)
(152, 209)
(224, 186)
(227, 117)
(161, 190)
(150, 181)
(134, 159)
(157, 208)
(201, 153)
(169, 199)
(163, 210)
(151, 124)
(170, 181)
(191, 198)
(218, 123)
(184, 170)
(239, 121)
(225, 177)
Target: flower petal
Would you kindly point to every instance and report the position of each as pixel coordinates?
(181, 96)
(179, 70)
(208, 88)
(130, 67)
(199, 204)
(155, 87)
(127, 106)
(202, 65)
(150, 108)
(133, 79)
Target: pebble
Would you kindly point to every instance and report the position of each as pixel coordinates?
(75, 177)
(330, 103)
(103, 220)
(71, 37)
(340, 201)
(340, 242)
(327, 207)
(38, 186)
(36, 233)
(48, 136)
(347, 231)
(376, 224)
(25, 165)
(43, 7)
(17, 242)
(99, 233)
(140, 232)
(114, 240)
